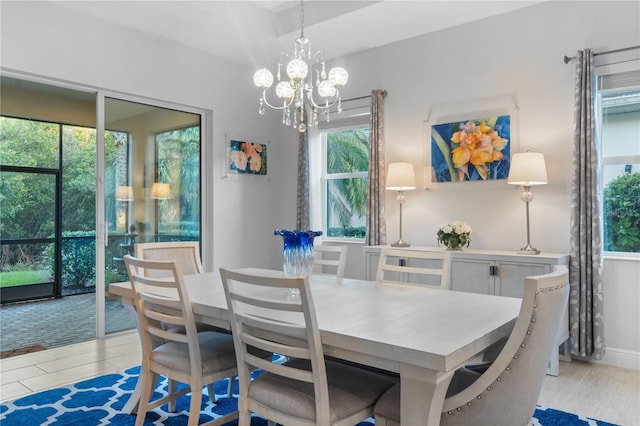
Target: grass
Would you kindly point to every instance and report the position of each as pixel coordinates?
(16, 278)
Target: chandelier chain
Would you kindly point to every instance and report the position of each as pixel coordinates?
(301, 18)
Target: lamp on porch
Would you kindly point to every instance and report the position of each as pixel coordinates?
(160, 191)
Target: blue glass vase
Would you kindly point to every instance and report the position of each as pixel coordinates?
(297, 253)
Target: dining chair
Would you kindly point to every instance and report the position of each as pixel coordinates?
(507, 392)
(330, 260)
(428, 268)
(306, 389)
(193, 358)
(187, 254)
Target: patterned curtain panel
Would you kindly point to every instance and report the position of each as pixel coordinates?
(376, 200)
(302, 208)
(585, 276)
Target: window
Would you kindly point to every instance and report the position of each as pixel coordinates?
(619, 131)
(344, 177)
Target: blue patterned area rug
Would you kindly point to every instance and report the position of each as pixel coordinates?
(98, 401)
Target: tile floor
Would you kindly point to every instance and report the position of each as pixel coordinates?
(589, 389)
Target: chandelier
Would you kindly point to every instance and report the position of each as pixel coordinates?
(301, 101)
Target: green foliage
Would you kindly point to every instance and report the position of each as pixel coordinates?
(347, 232)
(622, 213)
(348, 152)
(78, 260)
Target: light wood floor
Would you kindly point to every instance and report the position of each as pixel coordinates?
(588, 389)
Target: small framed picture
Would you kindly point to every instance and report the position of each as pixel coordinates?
(247, 157)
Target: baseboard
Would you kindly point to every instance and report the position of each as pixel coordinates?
(621, 358)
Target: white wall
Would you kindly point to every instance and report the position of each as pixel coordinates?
(476, 67)
(487, 65)
(43, 39)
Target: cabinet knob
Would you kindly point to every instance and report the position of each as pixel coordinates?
(493, 270)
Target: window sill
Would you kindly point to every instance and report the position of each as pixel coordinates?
(616, 255)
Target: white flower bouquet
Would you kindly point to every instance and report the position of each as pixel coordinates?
(454, 235)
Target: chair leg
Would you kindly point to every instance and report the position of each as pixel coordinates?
(212, 392)
(172, 388)
(230, 385)
(194, 406)
(145, 396)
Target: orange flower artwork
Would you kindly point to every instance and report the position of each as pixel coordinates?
(471, 149)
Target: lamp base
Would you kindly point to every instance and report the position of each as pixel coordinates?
(400, 243)
(528, 250)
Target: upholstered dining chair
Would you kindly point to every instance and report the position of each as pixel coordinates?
(190, 357)
(507, 392)
(306, 389)
(428, 268)
(330, 260)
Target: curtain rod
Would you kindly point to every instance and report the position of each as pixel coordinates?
(356, 99)
(568, 59)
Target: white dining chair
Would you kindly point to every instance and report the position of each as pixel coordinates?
(507, 392)
(306, 389)
(186, 253)
(330, 260)
(190, 357)
(427, 268)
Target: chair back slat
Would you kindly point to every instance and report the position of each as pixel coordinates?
(160, 298)
(330, 260)
(265, 315)
(420, 267)
(186, 253)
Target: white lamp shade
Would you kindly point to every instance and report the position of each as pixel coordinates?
(124, 193)
(400, 177)
(527, 169)
(160, 191)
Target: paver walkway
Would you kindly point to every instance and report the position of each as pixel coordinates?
(58, 322)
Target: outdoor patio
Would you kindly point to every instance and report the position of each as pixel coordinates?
(57, 322)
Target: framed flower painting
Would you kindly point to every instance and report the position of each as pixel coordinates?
(247, 157)
(471, 150)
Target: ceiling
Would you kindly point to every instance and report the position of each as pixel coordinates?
(253, 32)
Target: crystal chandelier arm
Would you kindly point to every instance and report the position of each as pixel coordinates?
(285, 106)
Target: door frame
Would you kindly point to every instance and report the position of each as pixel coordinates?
(206, 175)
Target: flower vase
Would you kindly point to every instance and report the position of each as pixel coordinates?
(297, 252)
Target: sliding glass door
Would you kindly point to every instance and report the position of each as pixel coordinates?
(83, 178)
(151, 184)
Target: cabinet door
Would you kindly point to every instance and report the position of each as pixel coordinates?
(471, 276)
(511, 275)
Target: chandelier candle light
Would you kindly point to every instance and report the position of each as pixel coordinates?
(297, 93)
(527, 169)
(400, 177)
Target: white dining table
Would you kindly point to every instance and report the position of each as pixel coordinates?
(424, 334)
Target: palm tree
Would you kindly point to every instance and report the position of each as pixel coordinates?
(347, 152)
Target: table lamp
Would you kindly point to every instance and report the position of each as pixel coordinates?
(124, 193)
(160, 191)
(400, 177)
(527, 169)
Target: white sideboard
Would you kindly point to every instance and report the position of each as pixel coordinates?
(490, 272)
